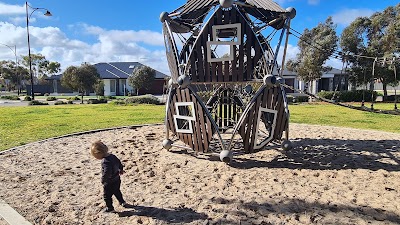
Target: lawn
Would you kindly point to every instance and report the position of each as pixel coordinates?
(333, 115)
(21, 125)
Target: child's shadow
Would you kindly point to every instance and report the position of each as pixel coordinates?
(178, 215)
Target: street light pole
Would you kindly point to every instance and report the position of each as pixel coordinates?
(16, 60)
(29, 44)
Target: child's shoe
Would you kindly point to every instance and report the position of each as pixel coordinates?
(109, 210)
(126, 205)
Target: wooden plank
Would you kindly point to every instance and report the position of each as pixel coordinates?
(241, 52)
(203, 131)
(220, 118)
(170, 118)
(279, 119)
(247, 129)
(254, 128)
(205, 35)
(193, 71)
(173, 111)
(200, 64)
(230, 116)
(190, 136)
(234, 75)
(182, 137)
(267, 97)
(213, 72)
(210, 129)
(219, 72)
(249, 44)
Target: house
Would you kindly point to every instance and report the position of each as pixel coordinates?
(115, 76)
(329, 81)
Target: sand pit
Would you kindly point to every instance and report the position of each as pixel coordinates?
(332, 176)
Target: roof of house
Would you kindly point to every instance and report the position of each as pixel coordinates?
(115, 70)
(121, 70)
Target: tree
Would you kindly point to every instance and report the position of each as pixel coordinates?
(99, 88)
(13, 73)
(80, 78)
(376, 36)
(316, 46)
(142, 77)
(41, 67)
(53, 68)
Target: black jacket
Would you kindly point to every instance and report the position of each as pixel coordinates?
(110, 168)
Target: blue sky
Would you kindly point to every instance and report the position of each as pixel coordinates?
(108, 31)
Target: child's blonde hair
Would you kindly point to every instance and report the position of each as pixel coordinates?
(99, 150)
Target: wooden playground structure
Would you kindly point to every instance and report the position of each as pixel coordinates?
(223, 51)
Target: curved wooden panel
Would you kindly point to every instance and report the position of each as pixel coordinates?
(271, 99)
(245, 55)
(202, 130)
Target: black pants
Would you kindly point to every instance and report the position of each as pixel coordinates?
(111, 189)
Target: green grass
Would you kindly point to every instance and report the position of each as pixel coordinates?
(327, 114)
(21, 125)
(381, 106)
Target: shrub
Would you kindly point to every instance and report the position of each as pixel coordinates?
(52, 98)
(111, 97)
(27, 98)
(302, 99)
(145, 99)
(36, 102)
(96, 101)
(70, 102)
(46, 94)
(10, 97)
(119, 102)
(59, 103)
(73, 98)
(349, 96)
(289, 99)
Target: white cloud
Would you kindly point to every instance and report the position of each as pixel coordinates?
(6, 9)
(291, 53)
(111, 45)
(346, 16)
(144, 36)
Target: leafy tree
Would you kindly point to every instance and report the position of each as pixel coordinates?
(316, 46)
(99, 88)
(39, 63)
(13, 73)
(376, 37)
(53, 68)
(80, 78)
(142, 77)
(41, 67)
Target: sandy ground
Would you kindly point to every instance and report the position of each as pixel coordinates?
(331, 176)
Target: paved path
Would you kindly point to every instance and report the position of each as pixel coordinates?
(10, 215)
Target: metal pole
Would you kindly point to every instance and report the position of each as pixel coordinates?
(373, 84)
(16, 69)
(29, 52)
(395, 81)
(16, 60)
(285, 49)
(29, 44)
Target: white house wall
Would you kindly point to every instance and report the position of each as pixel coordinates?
(107, 87)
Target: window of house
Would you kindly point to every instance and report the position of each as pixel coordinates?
(112, 85)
